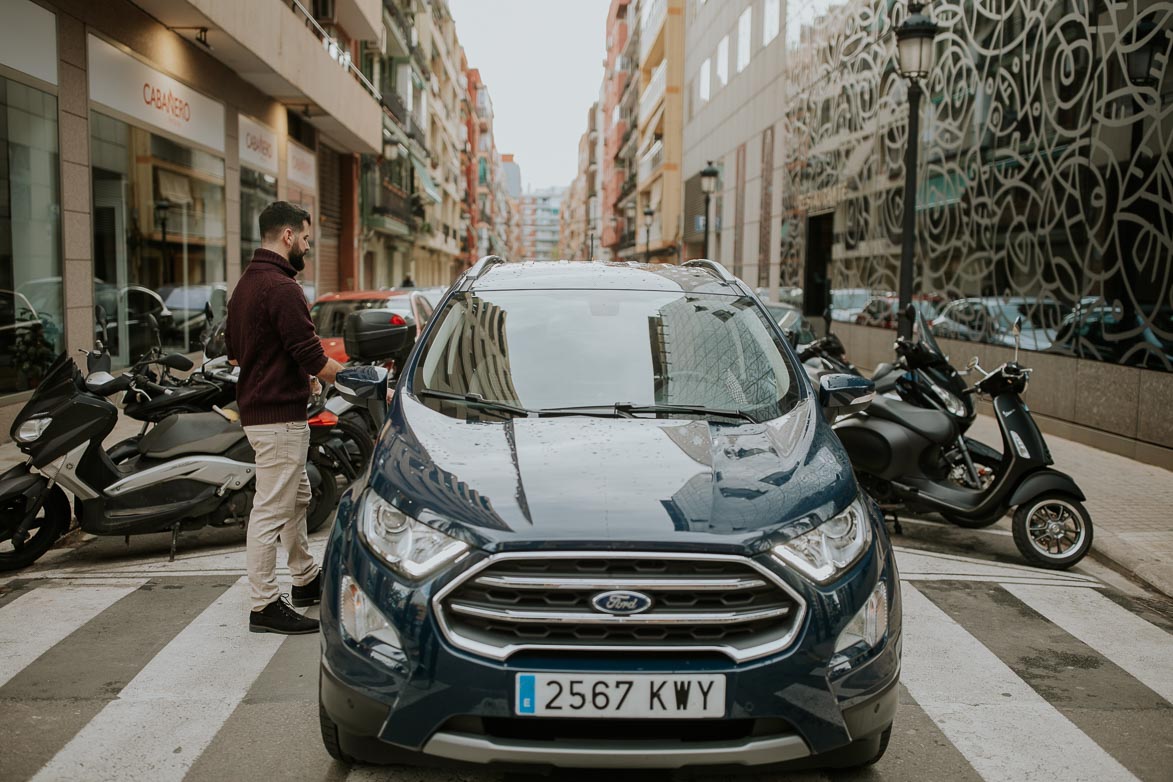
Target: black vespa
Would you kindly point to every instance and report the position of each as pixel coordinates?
(898, 452)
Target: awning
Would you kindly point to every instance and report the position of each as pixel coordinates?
(425, 181)
(173, 187)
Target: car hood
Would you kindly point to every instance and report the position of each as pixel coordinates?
(613, 482)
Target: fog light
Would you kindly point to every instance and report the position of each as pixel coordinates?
(361, 619)
(866, 629)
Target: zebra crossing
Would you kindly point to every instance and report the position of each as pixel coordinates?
(144, 671)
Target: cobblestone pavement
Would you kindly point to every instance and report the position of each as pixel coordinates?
(1131, 505)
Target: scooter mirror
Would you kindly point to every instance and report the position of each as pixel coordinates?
(972, 365)
(1017, 329)
(100, 316)
(791, 337)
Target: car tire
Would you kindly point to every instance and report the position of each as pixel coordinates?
(331, 738)
(862, 752)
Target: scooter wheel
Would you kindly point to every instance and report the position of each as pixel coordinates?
(1053, 531)
(52, 522)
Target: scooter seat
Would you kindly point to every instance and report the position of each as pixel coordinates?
(190, 433)
(933, 425)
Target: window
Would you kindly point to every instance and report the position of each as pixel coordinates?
(744, 32)
(703, 82)
(771, 23)
(31, 312)
(723, 62)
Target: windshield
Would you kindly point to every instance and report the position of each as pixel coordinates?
(925, 334)
(329, 317)
(577, 348)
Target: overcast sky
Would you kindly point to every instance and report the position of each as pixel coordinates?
(543, 63)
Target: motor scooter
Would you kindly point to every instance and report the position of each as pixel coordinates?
(192, 470)
(897, 448)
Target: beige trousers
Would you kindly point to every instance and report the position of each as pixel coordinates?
(279, 509)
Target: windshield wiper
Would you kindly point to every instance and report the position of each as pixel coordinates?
(477, 401)
(629, 409)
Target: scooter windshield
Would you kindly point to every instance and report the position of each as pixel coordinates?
(925, 335)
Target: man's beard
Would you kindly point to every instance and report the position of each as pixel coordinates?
(297, 260)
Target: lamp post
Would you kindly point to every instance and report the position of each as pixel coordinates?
(914, 47)
(649, 213)
(709, 176)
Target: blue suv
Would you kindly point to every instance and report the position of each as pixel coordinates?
(607, 524)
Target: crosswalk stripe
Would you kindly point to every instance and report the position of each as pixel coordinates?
(165, 717)
(46, 616)
(1140, 648)
(986, 710)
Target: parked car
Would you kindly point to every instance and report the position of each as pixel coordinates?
(846, 303)
(329, 313)
(883, 311)
(1098, 332)
(187, 303)
(608, 523)
(991, 318)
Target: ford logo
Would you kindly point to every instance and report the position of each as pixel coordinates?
(621, 602)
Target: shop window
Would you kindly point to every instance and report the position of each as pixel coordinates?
(159, 237)
(31, 322)
(257, 191)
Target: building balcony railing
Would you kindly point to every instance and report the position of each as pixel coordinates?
(395, 105)
(652, 16)
(337, 52)
(650, 163)
(400, 20)
(650, 98)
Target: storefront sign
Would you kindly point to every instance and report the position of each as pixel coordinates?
(301, 168)
(124, 84)
(28, 39)
(821, 200)
(258, 146)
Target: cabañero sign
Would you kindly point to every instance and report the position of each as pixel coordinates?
(258, 146)
(140, 92)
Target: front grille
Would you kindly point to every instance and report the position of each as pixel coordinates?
(705, 602)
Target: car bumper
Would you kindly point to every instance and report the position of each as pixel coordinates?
(430, 702)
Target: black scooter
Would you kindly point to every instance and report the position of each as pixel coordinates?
(192, 470)
(897, 450)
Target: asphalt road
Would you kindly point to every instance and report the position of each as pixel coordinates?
(115, 664)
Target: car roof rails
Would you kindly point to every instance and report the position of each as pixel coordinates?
(478, 270)
(712, 266)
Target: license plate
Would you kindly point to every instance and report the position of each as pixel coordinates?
(634, 696)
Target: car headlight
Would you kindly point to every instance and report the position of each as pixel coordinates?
(830, 548)
(952, 403)
(361, 619)
(32, 429)
(411, 548)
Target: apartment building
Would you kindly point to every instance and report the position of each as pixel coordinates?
(149, 136)
(579, 215)
(540, 224)
(660, 127)
(735, 98)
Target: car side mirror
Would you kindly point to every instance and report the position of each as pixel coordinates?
(361, 385)
(843, 394)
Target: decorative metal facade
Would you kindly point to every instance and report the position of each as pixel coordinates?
(1046, 172)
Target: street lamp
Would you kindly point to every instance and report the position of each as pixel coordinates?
(914, 47)
(709, 176)
(162, 207)
(649, 213)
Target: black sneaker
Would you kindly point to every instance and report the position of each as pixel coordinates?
(308, 595)
(279, 617)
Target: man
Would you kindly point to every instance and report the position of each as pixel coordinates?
(270, 336)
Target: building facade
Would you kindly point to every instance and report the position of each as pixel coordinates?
(140, 141)
(540, 224)
(619, 164)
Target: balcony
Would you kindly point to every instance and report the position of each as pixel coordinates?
(652, 16)
(281, 49)
(652, 161)
(394, 104)
(652, 96)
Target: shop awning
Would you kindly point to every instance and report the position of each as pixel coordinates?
(425, 181)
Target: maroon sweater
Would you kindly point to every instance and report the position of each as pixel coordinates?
(270, 334)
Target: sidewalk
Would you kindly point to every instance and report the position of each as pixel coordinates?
(1131, 505)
